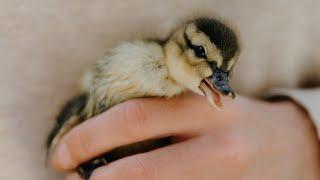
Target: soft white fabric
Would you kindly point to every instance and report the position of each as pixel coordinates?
(309, 99)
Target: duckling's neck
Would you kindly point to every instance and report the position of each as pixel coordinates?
(167, 85)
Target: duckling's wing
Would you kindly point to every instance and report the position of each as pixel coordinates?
(69, 117)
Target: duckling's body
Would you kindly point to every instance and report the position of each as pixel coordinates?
(148, 69)
(108, 83)
(131, 70)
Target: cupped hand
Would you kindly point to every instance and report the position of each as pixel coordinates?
(249, 139)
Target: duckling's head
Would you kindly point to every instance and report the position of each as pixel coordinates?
(200, 56)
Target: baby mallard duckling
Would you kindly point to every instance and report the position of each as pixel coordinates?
(198, 56)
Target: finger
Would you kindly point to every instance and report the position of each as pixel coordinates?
(73, 176)
(201, 158)
(133, 121)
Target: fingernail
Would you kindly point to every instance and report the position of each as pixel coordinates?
(61, 157)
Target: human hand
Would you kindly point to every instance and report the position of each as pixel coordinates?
(249, 139)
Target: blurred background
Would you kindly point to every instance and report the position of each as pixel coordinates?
(46, 45)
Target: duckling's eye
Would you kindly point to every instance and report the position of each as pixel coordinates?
(200, 52)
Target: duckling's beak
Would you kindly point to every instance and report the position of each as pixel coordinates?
(216, 86)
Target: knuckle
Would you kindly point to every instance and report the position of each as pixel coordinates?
(134, 116)
(98, 175)
(81, 146)
(235, 151)
(133, 168)
(139, 168)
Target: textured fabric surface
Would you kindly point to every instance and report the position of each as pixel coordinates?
(309, 99)
(46, 45)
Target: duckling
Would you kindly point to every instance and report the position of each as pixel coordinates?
(198, 56)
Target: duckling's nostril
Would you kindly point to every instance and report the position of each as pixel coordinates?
(219, 78)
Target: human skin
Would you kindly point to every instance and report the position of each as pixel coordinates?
(249, 139)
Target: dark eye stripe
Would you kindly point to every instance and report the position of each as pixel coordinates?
(189, 44)
(195, 48)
